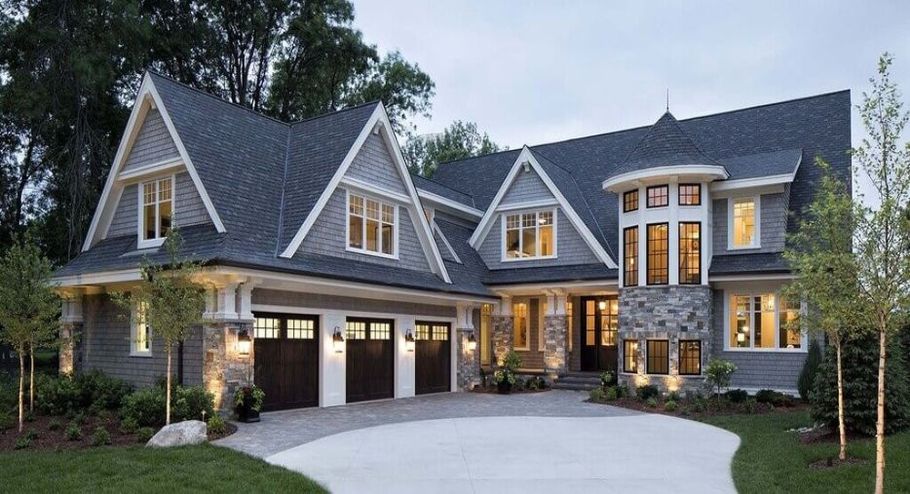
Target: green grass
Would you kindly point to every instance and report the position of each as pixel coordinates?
(770, 459)
(203, 468)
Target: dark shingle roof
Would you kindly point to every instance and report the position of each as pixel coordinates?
(665, 144)
(765, 262)
(437, 188)
(578, 272)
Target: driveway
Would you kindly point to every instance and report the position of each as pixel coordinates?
(467, 442)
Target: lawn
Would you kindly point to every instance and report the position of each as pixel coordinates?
(773, 460)
(203, 468)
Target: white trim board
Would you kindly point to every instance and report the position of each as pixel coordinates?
(448, 203)
(489, 216)
(445, 242)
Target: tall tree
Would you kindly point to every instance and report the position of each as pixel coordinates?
(882, 242)
(458, 141)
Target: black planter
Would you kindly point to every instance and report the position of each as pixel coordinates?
(246, 413)
(504, 387)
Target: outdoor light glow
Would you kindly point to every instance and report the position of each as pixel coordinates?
(472, 342)
(244, 343)
(409, 341)
(740, 337)
(338, 340)
(602, 305)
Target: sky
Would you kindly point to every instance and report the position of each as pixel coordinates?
(532, 72)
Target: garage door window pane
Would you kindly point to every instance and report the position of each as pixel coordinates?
(266, 327)
(300, 329)
(380, 331)
(422, 332)
(440, 332)
(355, 330)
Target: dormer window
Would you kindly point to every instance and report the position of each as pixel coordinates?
(157, 199)
(744, 223)
(658, 196)
(371, 226)
(529, 235)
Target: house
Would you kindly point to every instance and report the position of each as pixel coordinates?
(334, 276)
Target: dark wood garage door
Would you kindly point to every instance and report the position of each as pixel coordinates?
(370, 351)
(432, 362)
(286, 350)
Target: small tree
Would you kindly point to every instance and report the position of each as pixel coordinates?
(820, 254)
(169, 301)
(719, 374)
(29, 308)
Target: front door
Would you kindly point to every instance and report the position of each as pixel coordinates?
(599, 324)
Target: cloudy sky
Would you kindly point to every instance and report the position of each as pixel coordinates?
(531, 72)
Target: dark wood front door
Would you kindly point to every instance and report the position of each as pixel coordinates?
(432, 359)
(599, 324)
(286, 351)
(370, 358)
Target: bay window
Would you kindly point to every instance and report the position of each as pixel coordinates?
(371, 226)
(630, 256)
(157, 200)
(689, 253)
(529, 235)
(658, 254)
(763, 321)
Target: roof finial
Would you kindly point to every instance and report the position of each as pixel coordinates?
(668, 100)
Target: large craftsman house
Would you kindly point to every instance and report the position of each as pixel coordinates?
(335, 276)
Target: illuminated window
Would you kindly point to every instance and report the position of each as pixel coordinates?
(658, 357)
(529, 235)
(744, 220)
(521, 330)
(300, 329)
(141, 343)
(371, 226)
(752, 321)
(658, 254)
(266, 327)
(486, 313)
(569, 323)
(630, 256)
(689, 357)
(630, 356)
(689, 253)
(689, 194)
(355, 330)
(630, 201)
(440, 332)
(157, 198)
(658, 195)
(422, 331)
(790, 335)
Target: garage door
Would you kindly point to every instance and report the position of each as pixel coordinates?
(432, 362)
(370, 359)
(287, 360)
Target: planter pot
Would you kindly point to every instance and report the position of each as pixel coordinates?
(504, 387)
(247, 415)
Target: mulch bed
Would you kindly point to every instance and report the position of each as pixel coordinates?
(712, 408)
(825, 435)
(826, 463)
(515, 391)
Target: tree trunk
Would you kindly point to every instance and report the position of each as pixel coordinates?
(167, 399)
(880, 421)
(841, 428)
(31, 379)
(21, 388)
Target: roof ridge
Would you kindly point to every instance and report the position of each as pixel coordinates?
(443, 185)
(284, 188)
(335, 112)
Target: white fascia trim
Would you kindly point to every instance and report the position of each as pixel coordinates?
(546, 203)
(424, 232)
(749, 183)
(443, 201)
(710, 172)
(119, 276)
(376, 191)
(445, 242)
(487, 221)
(752, 277)
(149, 170)
(593, 286)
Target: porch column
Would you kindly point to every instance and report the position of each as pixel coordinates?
(503, 328)
(468, 359)
(225, 369)
(555, 357)
(71, 321)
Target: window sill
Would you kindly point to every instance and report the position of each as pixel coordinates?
(371, 253)
(746, 247)
(141, 354)
(149, 244)
(766, 350)
(520, 259)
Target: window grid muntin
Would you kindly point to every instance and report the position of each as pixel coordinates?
(521, 331)
(744, 222)
(421, 331)
(689, 253)
(789, 311)
(658, 252)
(689, 194)
(157, 194)
(380, 330)
(630, 356)
(520, 228)
(690, 357)
(630, 201)
(440, 332)
(486, 323)
(355, 330)
(366, 214)
(630, 256)
(300, 329)
(743, 310)
(267, 327)
(658, 357)
(658, 196)
(141, 331)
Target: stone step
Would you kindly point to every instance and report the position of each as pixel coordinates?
(579, 380)
(575, 386)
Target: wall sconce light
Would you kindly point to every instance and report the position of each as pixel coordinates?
(338, 340)
(244, 342)
(602, 305)
(472, 342)
(409, 341)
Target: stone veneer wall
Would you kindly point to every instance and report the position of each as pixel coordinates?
(666, 313)
(555, 342)
(502, 337)
(224, 370)
(468, 365)
(68, 334)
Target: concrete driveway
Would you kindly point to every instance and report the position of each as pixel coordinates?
(464, 442)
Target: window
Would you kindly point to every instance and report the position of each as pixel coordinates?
(689, 357)
(141, 344)
(368, 329)
(522, 333)
(630, 256)
(658, 356)
(529, 235)
(658, 254)
(431, 331)
(266, 327)
(355, 330)
(630, 356)
(689, 253)
(689, 194)
(752, 321)
(791, 335)
(422, 331)
(301, 329)
(541, 323)
(743, 234)
(658, 195)
(630, 201)
(486, 313)
(371, 226)
(440, 332)
(157, 210)
(569, 311)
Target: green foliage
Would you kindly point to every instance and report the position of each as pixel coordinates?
(68, 394)
(810, 369)
(146, 406)
(651, 402)
(79, 418)
(718, 374)
(736, 396)
(216, 424)
(774, 398)
(252, 396)
(31, 434)
(73, 432)
(607, 378)
(101, 437)
(29, 416)
(6, 420)
(611, 394)
(144, 434)
(647, 392)
(860, 358)
(22, 442)
(512, 361)
(54, 424)
(671, 406)
(458, 141)
(673, 396)
(597, 395)
(129, 425)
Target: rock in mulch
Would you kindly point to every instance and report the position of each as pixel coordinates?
(179, 434)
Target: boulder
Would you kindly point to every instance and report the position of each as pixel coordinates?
(179, 434)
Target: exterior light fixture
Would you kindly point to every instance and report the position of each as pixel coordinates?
(338, 340)
(244, 342)
(409, 341)
(741, 338)
(472, 342)
(602, 305)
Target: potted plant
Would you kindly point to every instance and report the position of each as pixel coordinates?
(505, 377)
(606, 379)
(248, 403)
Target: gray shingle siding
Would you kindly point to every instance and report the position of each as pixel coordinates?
(188, 208)
(153, 143)
(757, 369)
(526, 187)
(125, 216)
(328, 237)
(334, 302)
(772, 218)
(105, 345)
(533, 357)
(373, 164)
(570, 247)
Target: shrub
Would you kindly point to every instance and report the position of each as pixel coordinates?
(597, 395)
(29, 416)
(611, 394)
(6, 420)
(144, 434)
(531, 384)
(670, 406)
(190, 402)
(699, 405)
(31, 434)
(774, 398)
(673, 396)
(718, 374)
(512, 361)
(607, 378)
(23, 442)
(737, 395)
(810, 370)
(622, 390)
(216, 424)
(73, 432)
(79, 418)
(103, 391)
(101, 437)
(145, 406)
(129, 425)
(67, 395)
(54, 425)
(651, 402)
(647, 392)
(105, 416)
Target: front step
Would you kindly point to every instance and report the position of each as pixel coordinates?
(578, 381)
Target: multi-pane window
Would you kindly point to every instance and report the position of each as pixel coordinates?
(790, 335)
(630, 256)
(570, 311)
(355, 330)
(658, 357)
(630, 356)
(486, 323)
(744, 219)
(380, 330)
(630, 201)
(690, 357)
(371, 225)
(529, 235)
(440, 332)
(689, 253)
(522, 332)
(157, 209)
(752, 321)
(658, 195)
(422, 331)
(609, 321)
(658, 254)
(267, 327)
(301, 329)
(368, 329)
(141, 332)
(432, 331)
(689, 194)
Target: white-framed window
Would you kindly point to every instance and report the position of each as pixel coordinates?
(541, 324)
(520, 327)
(372, 226)
(140, 332)
(529, 235)
(156, 211)
(763, 321)
(745, 226)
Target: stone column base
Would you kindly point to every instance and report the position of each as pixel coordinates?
(224, 370)
(555, 342)
(468, 364)
(68, 334)
(502, 336)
